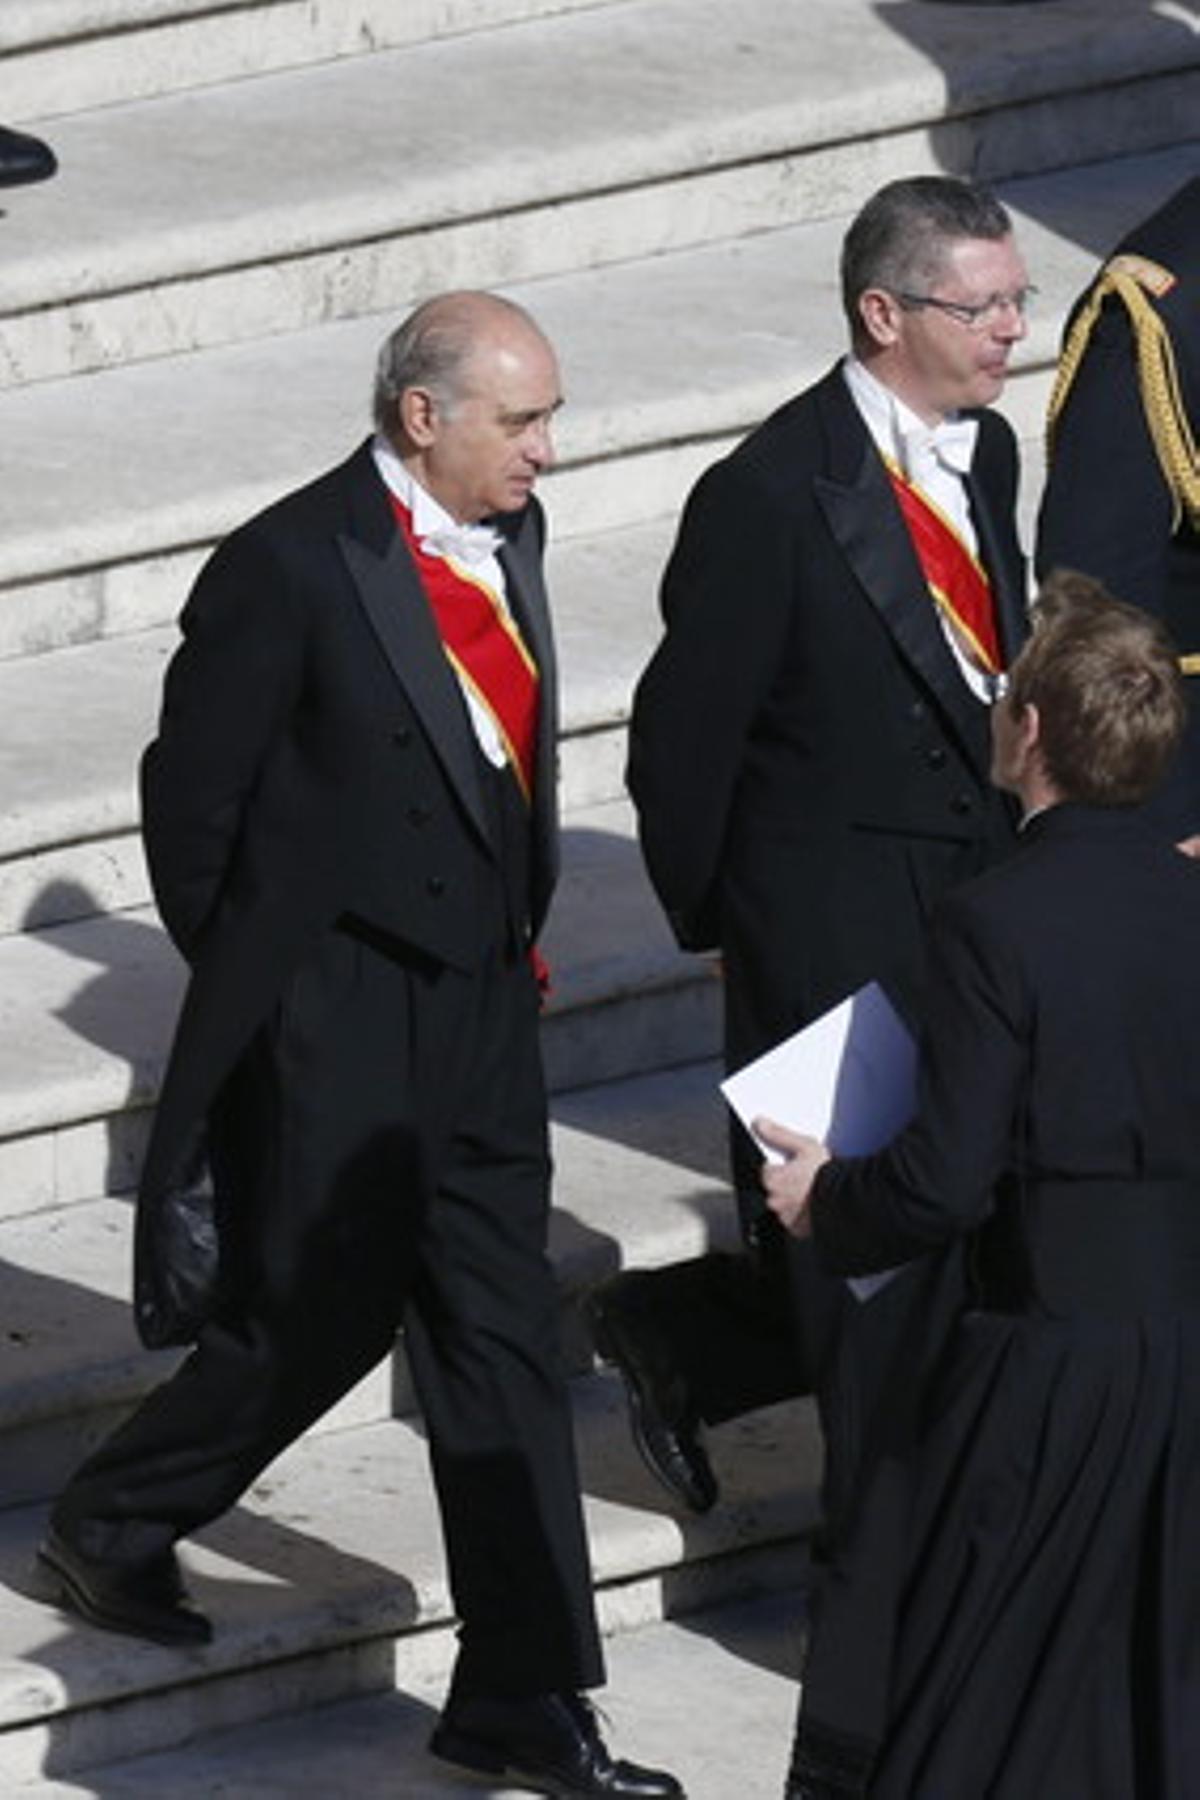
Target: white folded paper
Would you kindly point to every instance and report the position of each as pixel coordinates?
(848, 1078)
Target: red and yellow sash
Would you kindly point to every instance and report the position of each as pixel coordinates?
(485, 647)
(957, 579)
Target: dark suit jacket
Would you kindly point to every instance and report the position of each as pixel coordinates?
(1107, 508)
(315, 759)
(809, 767)
(1062, 1043)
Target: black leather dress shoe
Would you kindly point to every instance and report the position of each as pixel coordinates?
(149, 1602)
(551, 1744)
(24, 158)
(665, 1427)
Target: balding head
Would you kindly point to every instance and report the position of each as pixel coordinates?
(431, 348)
(466, 389)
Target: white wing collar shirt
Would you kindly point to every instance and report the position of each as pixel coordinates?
(474, 546)
(935, 458)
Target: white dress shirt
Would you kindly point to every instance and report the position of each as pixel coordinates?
(934, 459)
(474, 546)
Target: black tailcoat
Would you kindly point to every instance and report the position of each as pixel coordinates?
(355, 888)
(314, 758)
(810, 772)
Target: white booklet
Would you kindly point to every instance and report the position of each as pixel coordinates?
(849, 1078)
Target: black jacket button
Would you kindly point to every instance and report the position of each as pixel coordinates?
(935, 756)
(436, 886)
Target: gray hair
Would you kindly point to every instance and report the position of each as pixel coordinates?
(430, 348)
(899, 240)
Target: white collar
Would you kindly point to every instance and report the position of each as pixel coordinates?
(435, 529)
(901, 435)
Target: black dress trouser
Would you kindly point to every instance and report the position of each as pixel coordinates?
(382, 1157)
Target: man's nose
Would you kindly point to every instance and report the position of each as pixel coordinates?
(1010, 323)
(539, 444)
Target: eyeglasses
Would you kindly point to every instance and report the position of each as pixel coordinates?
(980, 315)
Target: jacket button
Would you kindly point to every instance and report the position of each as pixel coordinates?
(935, 756)
(916, 710)
(402, 737)
(419, 815)
(961, 803)
(436, 886)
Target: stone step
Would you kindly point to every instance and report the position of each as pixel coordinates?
(64, 56)
(209, 217)
(328, 1582)
(666, 361)
(639, 1181)
(86, 1012)
(710, 1695)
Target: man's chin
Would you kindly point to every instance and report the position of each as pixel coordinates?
(990, 386)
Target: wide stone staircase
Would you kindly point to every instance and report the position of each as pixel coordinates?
(251, 193)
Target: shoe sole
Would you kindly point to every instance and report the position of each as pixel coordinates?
(485, 1761)
(73, 1598)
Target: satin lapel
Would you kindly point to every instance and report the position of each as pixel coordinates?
(526, 592)
(1007, 577)
(394, 601)
(866, 522)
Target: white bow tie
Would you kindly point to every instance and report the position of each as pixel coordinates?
(470, 544)
(952, 443)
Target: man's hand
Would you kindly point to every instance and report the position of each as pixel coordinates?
(1190, 845)
(789, 1184)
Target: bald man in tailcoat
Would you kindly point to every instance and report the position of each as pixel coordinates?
(351, 824)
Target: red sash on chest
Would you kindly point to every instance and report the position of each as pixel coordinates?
(485, 647)
(957, 579)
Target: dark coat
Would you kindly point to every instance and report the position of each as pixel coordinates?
(1032, 1500)
(1107, 507)
(314, 759)
(809, 767)
(1062, 1042)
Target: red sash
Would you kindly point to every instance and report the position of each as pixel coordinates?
(485, 648)
(957, 580)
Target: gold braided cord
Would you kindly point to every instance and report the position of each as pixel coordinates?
(1158, 378)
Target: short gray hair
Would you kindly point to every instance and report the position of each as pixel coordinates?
(899, 240)
(429, 349)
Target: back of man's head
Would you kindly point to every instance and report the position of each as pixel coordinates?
(1105, 680)
(898, 241)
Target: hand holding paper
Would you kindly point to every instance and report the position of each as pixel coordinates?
(849, 1078)
(789, 1184)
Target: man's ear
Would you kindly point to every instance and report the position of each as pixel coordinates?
(418, 416)
(1027, 744)
(880, 315)
(1029, 727)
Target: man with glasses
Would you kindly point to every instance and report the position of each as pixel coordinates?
(809, 760)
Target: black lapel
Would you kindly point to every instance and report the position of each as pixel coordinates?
(521, 557)
(391, 594)
(867, 523)
(999, 552)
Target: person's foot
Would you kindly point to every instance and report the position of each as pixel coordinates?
(24, 158)
(665, 1427)
(550, 1743)
(150, 1601)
